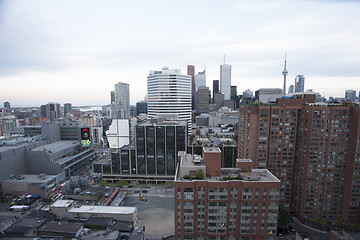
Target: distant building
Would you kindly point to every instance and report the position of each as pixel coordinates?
(200, 80)
(191, 72)
(291, 89)
(53, 111)
(67, 108)
(112, 97)
(203, 99)
(122, 100)
(299, 83)
(218, 101)
(225, 80)
(174, 96)
(118, 134)
(215, 88)
(43, 110)
(350, 95)
(7, 123)
(268, 95)
(141, 107)
(224, 203)
(7, 105)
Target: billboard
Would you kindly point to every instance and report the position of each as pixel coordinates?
(85, 137)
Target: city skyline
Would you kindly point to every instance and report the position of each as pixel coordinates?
(76, 55)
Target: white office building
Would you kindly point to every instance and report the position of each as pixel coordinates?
(225, 80)
(169, 95)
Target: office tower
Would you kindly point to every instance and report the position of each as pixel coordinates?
(299, 83)
(215, 88)
(350, 95)
(203, 98)
(225, 80)
(154, 155)
(7, 105)
(169, 95)
(224, 203)
(112, 97)
(312, 149)
(233, 93)
(67, 108)
(43, 110)
(141, 107)
(291, 89)
(200, 80)
(284, 72)
(122, 101)
(191, 72)
(53, 111)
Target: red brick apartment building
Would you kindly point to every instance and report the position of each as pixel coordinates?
(314, 149)
(228, 203)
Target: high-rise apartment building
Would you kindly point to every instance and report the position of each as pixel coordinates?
(291, 89)
(200, 80)
(53, 111)
(224, 203)
(225, 80)
(169, 95)
(122, 101)
(299, 83)
(191, 72)
(7, 105)
(350, 95)
(313, 149)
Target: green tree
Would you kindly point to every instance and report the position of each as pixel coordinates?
(200, 174)
(122, 183)
(283, 218)
(103, 183)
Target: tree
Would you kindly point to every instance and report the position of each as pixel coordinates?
(283, 218)
(122, 183)
(200, 174)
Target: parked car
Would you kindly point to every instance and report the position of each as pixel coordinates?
(292, 230)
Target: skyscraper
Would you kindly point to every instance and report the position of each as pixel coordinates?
(215, 88)
(67, 108)
(169, 95)
(122, 100)
(53, 111)
(202, 99)
(191, 72)
(200, 80)
(299, 83)
(225, 80)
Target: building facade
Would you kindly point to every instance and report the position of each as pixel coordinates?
(200, 80)
(169, 95)
(225, 80)
(53, 111)
(350, 95)
(299, 83)
(202, 99)
(122, 100)
(314, 151)
(228, 203)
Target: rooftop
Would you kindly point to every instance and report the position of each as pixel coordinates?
(41, 178)
(212, 149)
(62, 203)
(61, 227)
(103, 209)
(56, 146)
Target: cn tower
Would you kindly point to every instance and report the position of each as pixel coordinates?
(285, 72)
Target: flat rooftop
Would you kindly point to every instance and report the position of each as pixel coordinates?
(212, 149)
(30, 178)
(56, 146)
(189, 160)
(103, 209)
(62, 203)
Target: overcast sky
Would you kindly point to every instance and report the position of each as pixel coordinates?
(75, 51)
